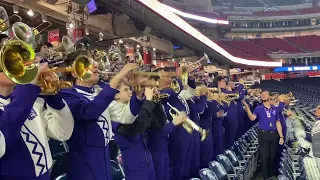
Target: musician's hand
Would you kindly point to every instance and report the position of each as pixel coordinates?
(241, 81)
(281, 141)
(245, 104)
(180, 119)
(128, 68)
(149, 92)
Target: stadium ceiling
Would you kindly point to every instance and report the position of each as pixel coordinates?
(153, 14)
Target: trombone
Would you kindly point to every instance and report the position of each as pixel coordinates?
(189, 125)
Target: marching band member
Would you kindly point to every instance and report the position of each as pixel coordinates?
(206, 146)
(217, 124)
(231, 120)
(158, 136)
(131, 139)
(197, 105)
(269, 132)
(241, 113)
(93, 109)
(27, 120)
(180, 140)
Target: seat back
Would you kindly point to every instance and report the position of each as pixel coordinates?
(237, 152)
(224, 160)
(116, 171)
(62, 177)
(207, 174)
(218, 170)
(232, 157)
(282, 177)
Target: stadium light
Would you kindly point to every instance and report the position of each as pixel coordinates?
(196, 17)
(161, 10)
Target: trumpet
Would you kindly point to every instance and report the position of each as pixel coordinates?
(173, 111)
(195, 65)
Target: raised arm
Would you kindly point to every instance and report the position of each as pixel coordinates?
(190, 91)
(252, 116)
(15, 114)
(58, 117)
(89, 111)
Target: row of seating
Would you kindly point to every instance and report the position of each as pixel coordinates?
(261, 48)
(237, 163)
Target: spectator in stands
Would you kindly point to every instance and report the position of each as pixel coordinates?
(3, 38)
(315, 132)
(269, 131)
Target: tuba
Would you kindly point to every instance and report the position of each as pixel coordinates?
(5, 20)
(83, 43)
(66, 46)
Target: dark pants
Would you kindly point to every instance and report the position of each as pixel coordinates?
(268, 143)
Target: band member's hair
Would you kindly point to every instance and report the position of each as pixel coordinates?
(199, 83)
(219, 78)
(267, 92)
(38, 47)
(69, 61)
(3, 36)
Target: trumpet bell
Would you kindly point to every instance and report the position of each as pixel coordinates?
(17, 61)
(82, 67)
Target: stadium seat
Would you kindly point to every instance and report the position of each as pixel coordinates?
(207, 174)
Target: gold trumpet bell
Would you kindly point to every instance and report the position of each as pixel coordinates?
(82, 68)
(17, 61)
(3, 25)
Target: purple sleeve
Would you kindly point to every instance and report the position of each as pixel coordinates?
(256, 111)
(169, 128)
(277, 115)
(83, 110)
(16, 113)
(54, 101)
(135, 104)
(200, 104)
(214, 107)
(281, 106)
(242, 94)
(192, 83)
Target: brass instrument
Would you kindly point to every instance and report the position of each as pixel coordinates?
(5, 20)
(173, 111)
(81, 68)
(229, 97)
(195, 65)
(83, 43)
(17, 61)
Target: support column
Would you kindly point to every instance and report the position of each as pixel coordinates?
(146, 56)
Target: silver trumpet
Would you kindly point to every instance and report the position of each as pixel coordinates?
(189, 122)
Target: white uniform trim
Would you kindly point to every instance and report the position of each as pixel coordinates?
(60, 123)
(2, 145)
(187, 94)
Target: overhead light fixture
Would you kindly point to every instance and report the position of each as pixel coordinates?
(138, 46)
(154, 49)
(71, 25)
(15, 9)
(30, 12)
(86, 31)
(120, 41)
(44, 18)
(100, 36)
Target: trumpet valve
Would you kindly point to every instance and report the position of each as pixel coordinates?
(187, 128)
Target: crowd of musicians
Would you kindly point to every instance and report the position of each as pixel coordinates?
(167, 127)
